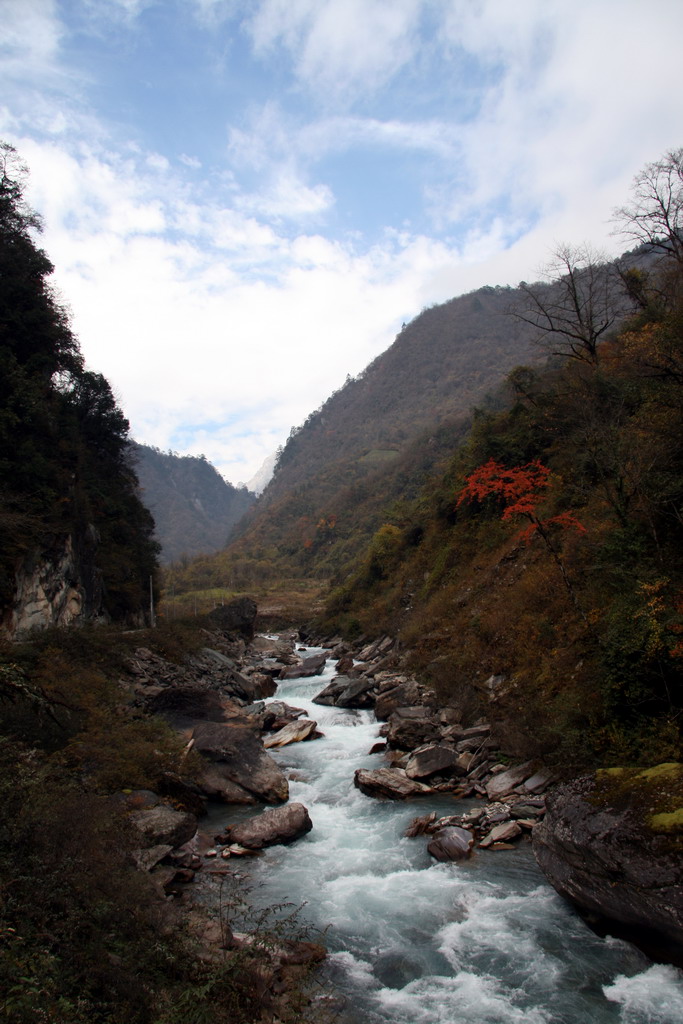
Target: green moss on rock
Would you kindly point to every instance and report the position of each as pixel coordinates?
(667, 821)
(653, 795)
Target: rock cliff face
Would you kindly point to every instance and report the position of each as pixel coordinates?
(56, 585)
(611, 843)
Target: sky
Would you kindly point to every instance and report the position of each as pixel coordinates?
(245, 199)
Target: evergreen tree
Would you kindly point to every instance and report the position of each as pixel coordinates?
(65, 460)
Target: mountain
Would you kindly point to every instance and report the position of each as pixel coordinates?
(263, 475)
(373, 443)
(194, 508)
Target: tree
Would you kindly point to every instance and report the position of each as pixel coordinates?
(521, 489)
(581, 301)
(654, 217)
(65, 468)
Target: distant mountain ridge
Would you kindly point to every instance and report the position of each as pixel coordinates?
(375, 441)
(194, 508)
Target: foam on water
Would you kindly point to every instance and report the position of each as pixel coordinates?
(653, 997)
(416, 942)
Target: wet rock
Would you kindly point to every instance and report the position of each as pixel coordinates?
(611, 843)
(506, 782)
(358, 694)
(395, 970)
(431, 760)
(420, 826)
(392, 783)
(218, 786)
(345, 664)
(237, 757)
(411, 727)
(275, 827)
(294, 732)
(451, 843)
(312, 666)
(333, 690)
(502, 833)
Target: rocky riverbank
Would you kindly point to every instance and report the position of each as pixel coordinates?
(594, 856)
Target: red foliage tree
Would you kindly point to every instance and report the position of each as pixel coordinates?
(521, 489)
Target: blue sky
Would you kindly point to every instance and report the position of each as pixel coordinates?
(244, 199)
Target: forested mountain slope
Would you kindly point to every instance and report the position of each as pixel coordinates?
(194, 508)
(371, 446)
(76, 542)
(538, 577)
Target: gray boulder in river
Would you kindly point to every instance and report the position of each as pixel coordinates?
(239, 770)
(281, 825)
(612, 843)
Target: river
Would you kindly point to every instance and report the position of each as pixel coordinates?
(412, 941)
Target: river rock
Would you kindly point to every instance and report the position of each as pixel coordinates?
(275, 827)
(502, 833)
(393, 695)
(539, 782)
(164, 826)
(611, 843)
(333, 690)
(357, 694)
(506, 782)
(419, 826)
(185, 706)
(411, 727)
(294, 732)
(388, 782)
(432, 759)
(451, 843)
(312, 666)
(237, 755)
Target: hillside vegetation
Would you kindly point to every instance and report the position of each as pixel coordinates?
(194, 508)
(372, 445)
(65, 465)
(544, 566)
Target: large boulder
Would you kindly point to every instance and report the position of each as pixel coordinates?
(163, 825)
(358, 694)
(432, 759)
(236, 754)
(185, 706)
(403, 693)
(237, 616)
(293, 732)
(451, 843)
(388, 782)
(411, 727)
(611, 843)
(505, 783)
(312, 666)
(333, 690)
(280, 825)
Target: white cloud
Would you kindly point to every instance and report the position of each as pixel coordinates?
(340, 46)
(216, 303)
(30, 35)
(287, 196)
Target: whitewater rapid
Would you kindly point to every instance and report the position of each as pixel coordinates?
(412, 941)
